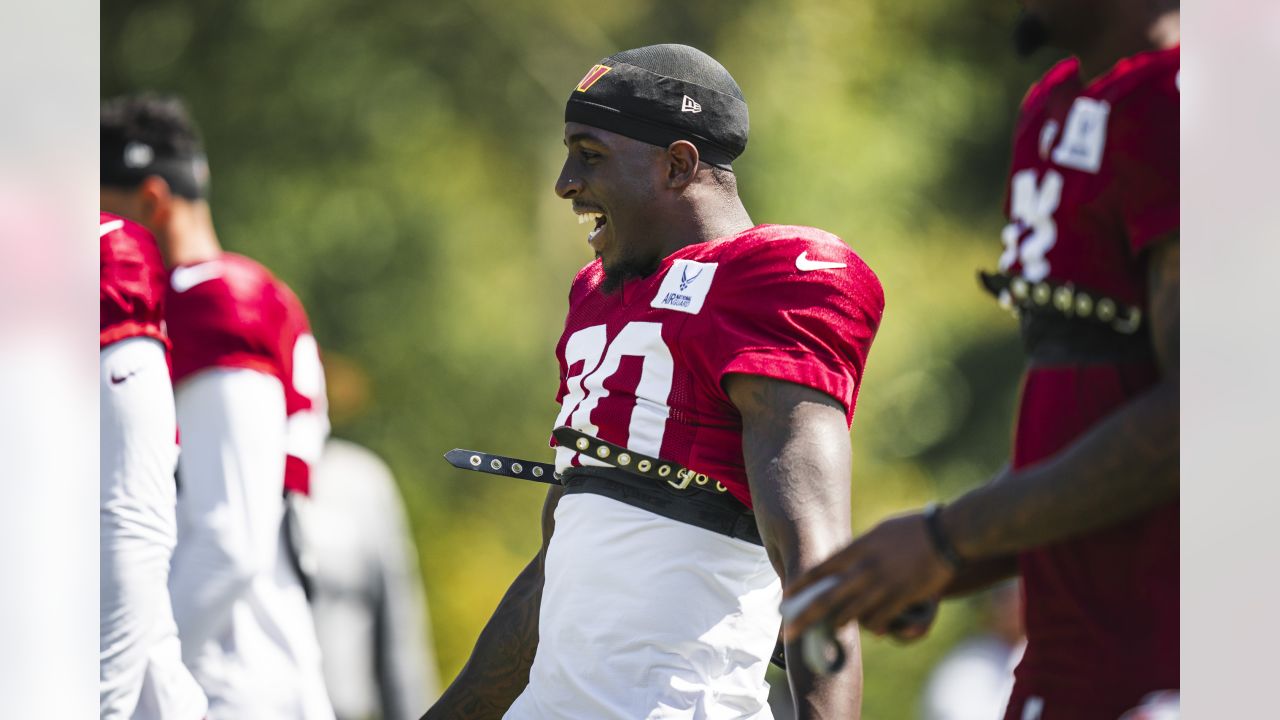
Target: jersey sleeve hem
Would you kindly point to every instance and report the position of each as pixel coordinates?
(233, 361)
(799, 368)
(130, 329)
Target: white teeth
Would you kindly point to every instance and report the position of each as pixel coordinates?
(589, 217)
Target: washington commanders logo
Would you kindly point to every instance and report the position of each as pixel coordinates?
(596, 72)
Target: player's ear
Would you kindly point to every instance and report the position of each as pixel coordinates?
(157, 201)
(682, 164)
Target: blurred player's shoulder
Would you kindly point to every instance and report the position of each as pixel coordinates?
(228, 278)
(1063, 72)
(131, 282)
(1145, 77)
(231, 312)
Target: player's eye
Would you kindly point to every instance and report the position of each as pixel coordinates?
(589, 155)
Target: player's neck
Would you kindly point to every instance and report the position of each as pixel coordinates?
(190, 237)
(1121, 39)
(712, 220)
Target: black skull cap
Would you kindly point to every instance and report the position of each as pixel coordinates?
(662, 93)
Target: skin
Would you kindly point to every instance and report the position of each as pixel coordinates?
(183, 228)
(498, 669)
(796, 443)
(1125, 466)
(655, 200)
(796, 447)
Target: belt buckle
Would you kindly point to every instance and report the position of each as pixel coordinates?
(686, 477)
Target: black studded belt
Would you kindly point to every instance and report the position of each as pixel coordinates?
(1062, 323)
(665, 488)
(673, 474)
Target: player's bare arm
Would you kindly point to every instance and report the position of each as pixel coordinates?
(498, 669)
(796, 449)
(1126, 465)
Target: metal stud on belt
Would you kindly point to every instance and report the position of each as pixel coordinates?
(650, 467)
(1066, 299)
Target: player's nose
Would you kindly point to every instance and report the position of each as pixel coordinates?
(567, 186)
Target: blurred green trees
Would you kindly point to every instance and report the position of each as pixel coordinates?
(394, 163)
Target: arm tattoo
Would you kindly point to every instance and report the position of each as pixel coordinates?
(498, 669)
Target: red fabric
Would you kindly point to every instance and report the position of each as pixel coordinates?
(1105, 219)
(297, 475)
(240, 317)
(1101, 610)
(761, 315)
(131, 286)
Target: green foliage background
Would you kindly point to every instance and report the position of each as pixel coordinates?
(394, 163)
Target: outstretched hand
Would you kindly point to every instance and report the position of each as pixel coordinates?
(880, 575)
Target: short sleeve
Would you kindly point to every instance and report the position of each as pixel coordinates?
(798, 309)
(1147, 161)
(131, 284)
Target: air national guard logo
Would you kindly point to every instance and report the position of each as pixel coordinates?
(685, 287)
(596, 72)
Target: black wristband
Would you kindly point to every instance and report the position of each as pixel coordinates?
(941, 545)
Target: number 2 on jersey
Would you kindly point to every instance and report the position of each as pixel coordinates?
(600, 360)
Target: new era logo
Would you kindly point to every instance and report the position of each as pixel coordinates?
(690, 105)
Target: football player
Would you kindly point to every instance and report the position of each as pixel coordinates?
(715, 363)
(250, 402)
(141, 674)
(1088, 510)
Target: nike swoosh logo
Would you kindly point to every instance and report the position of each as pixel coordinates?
(804, 264)
(186, 277)
(117, 379)
(109, 227)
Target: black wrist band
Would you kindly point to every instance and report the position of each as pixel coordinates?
(941, 545)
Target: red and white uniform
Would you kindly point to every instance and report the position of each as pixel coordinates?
(251, 409)
(140, 666)
(647, 617)
(1094, 183)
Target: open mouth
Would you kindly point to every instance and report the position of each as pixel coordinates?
(598, 218)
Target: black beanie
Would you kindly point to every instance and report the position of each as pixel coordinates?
(662, 93)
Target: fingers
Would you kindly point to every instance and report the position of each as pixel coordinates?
(866, 600)
(847, 596)
(832, 565)
(915, 622)
(877, 618)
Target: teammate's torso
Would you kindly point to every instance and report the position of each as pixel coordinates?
(131, 282)
(231, 312)
(1093, 183)
(1094, 176)
(643, 367)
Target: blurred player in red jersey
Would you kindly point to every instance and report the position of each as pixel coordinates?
(250, 399)
(1088, 510)
(699, 339)
(141, 674)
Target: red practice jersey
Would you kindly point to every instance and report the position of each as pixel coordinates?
(643, 367)
(131, 289)
(1094, 183)
(233, 313)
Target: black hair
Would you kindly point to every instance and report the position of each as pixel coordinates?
(150, 134)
